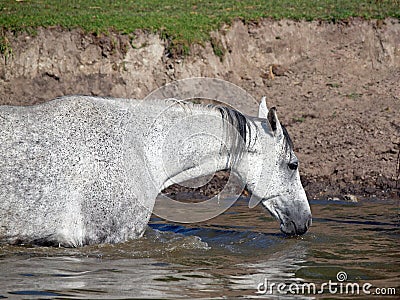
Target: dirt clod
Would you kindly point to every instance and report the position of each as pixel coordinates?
(279, 70)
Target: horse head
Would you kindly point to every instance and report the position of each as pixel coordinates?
(271, 172)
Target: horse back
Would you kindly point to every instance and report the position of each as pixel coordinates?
(64, 170)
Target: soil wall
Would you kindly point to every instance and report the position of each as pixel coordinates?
(336, 86)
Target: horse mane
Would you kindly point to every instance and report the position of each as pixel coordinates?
(238, 128)
(237, 125)
(242, 135)
(288, 141)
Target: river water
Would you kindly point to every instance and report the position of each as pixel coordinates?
(237, 254)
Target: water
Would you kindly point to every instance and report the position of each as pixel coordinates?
(229, 256)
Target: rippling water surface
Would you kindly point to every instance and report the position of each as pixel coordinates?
(238, 254)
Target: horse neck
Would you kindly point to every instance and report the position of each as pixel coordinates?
(199, 142)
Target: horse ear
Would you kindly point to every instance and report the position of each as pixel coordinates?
(274, 122)
(262, 109)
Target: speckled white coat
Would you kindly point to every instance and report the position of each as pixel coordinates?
(82, 170)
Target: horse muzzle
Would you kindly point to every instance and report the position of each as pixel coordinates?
(296, 228)
(294, 216)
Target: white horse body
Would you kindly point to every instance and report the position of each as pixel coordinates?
(82, 170)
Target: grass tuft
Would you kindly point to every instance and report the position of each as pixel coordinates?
(5, 48)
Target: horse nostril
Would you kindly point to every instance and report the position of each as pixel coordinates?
(300, 230)
(309, 223)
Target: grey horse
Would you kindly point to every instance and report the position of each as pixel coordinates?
(83, 170)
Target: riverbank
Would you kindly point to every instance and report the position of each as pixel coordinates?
(335, 85)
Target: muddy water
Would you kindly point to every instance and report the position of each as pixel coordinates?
(239, 253)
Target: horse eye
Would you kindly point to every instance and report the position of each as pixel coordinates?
(293, 165)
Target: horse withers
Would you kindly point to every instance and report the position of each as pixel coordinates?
(84, 170)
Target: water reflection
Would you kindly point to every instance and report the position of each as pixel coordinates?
(228, 256)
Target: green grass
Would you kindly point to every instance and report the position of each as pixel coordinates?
(181, 21)
(5, 48)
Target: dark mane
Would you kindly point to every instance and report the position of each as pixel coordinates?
(241, 124)
(237, 120)
(288, 141)
(238, 130)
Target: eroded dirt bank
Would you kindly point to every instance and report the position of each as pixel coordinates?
(338, 90)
